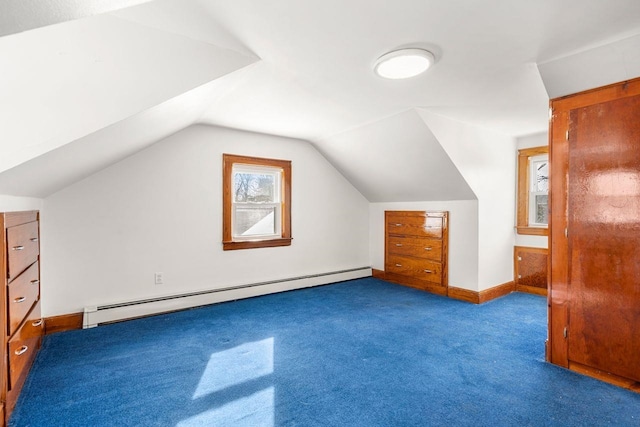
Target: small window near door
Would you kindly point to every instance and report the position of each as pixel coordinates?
(539, 191)
(533, 191)
(256, 202)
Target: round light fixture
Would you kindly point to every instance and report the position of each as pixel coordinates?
(404, 63)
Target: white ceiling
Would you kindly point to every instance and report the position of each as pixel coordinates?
(73, 72)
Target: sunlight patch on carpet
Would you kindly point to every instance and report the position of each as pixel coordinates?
(250, 411)
(235, 366)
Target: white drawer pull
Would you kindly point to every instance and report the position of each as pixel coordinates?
(398, 244)
(398, 225)
(37, 323)
(34, 239)
(427, 249)
(35, 281)
(20, 299)
(428, 271)
(18, 248)
(21, 350)
(398, 265)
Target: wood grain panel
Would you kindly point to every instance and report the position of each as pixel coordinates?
(24, 344)
(23, 247)
(378, 274)
(21, 287)
(416, 246)
(413, 282)
(604, 224)
(530, 269)
(605, 376)
(483, 296)
(559, 277)
(589, 275)
(23, 292)
(17, 218)
(531, 290)
(419, 268)
(65, 322)
(414, 224)
(464, 295)
(496, 292)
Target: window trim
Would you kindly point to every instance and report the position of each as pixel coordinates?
(522, 216)
(228, 160)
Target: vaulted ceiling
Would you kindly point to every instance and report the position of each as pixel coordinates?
(85, 83)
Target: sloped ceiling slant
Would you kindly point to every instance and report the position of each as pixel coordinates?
(63, 82)
(396, 159)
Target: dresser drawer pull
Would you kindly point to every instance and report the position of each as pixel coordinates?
(398, 224)
(428, 248)
(21, 350)
(18, 248)
(20, 299)
(35, 281)
(37, 323)
(399, 244)
(398, 265)
(428, 271)
(34, 239)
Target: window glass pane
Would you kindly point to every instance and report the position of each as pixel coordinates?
(254, 188)
(541, 169)
(542, 209)
(254, 220)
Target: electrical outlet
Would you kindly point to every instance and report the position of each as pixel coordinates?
(159, 278)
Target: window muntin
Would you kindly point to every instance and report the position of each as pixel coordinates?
(256, 202)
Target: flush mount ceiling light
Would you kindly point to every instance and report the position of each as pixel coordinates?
(404, 63)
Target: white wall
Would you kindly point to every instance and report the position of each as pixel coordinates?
(396, 159)
(463, 237)
(160, 211)
(487, 162)
(591, 68)
(529, 141)
(12, 203)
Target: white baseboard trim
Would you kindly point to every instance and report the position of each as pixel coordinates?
(96, 315)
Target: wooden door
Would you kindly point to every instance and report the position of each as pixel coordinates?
(604, 236)
(596, 294)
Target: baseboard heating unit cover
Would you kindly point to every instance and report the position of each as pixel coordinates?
(94, 316)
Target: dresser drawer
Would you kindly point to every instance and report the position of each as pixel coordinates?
(22, 247)
(419, 268)
(24, 344)
(415, 246)
(414, 225)
(23, 292)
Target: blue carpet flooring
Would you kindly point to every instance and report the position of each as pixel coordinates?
(357, 353)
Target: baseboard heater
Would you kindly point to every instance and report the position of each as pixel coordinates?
(96, 315)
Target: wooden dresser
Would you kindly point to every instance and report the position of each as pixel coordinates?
(416, 249)
(23, 326)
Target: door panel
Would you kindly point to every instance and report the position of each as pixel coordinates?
(604, 236)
